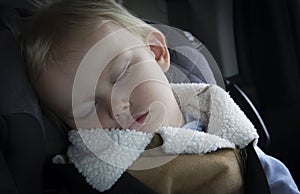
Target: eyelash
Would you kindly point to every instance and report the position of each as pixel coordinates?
(123, 75)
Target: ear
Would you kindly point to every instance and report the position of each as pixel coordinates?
(157, 45)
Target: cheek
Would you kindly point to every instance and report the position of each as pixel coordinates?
(104, 121)
(149, 92)
(104, 118)
(154, 98)
(94, 120)
(88, 123)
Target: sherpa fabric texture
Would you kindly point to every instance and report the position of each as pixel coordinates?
(103, 155)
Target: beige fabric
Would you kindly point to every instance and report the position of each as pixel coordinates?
(219, 172)
(215, 172)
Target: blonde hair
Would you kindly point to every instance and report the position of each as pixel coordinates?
(47, 35)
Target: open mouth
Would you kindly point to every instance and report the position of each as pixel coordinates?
(138, 121)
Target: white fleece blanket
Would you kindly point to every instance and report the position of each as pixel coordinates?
(103, 155)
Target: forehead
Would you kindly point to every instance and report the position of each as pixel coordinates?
(99, 47)
(58, 85)
(112, 41)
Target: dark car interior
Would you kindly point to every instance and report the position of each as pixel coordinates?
(256, 46)
(250, 46)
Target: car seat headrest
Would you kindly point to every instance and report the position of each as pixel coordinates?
(28, 5)
(17, 93)
(190, 59)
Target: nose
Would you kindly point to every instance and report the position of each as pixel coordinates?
(114, 103)
(119, 108)
(113, 113)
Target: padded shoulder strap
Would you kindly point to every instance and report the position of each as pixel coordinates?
(7, 184)
(76, 184)
(255, 178)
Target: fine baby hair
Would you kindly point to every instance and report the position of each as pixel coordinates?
(48, 37)
(62, 33)
(60, 28)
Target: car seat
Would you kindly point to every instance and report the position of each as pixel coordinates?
(23, 133)
(29, 139)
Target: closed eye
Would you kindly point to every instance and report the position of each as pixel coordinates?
(124, 74)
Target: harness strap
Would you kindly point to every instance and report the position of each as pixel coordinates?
(255, 178)
(7, 184)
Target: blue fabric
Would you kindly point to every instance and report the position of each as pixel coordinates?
(191, 123)
(279, 178)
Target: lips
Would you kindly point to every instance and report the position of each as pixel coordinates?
(138, 121)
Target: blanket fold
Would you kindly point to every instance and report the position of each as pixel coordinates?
(103, 155)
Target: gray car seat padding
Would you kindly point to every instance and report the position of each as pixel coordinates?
(20, 108)
(185, 44)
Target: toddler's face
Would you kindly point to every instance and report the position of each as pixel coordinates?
(119, 83)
